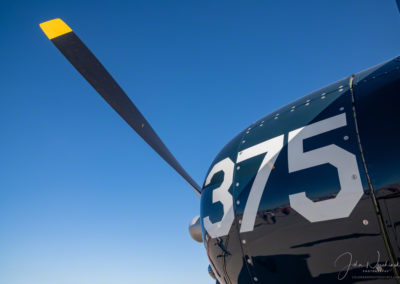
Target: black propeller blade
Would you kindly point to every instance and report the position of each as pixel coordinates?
(94, 72)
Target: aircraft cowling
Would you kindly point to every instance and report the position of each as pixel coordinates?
(377, 98)
(315, 212)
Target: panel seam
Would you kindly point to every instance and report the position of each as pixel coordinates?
(378, 211)
(236, 220)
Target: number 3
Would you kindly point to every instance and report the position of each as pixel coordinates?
(221, 194)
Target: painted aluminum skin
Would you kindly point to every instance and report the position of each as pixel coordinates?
(286, 245)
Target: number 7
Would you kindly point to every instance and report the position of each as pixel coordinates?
(272, 147)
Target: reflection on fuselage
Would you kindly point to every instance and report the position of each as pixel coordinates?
(286, 247)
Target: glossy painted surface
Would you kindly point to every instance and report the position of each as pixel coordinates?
(224, 253)
(377, 99)
(286, 247)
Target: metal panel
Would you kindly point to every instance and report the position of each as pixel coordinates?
(377, 103)
(224, 253)
(283, 240)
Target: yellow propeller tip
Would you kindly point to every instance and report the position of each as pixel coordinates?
(55, 28)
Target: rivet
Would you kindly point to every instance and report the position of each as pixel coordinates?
(261, 125)
(244, 242)
(346, 138)
(249, 260)
(307, 104)
(292, 110)
(262, 121)
(238, 168)
(240, 221)
(277, 114)
(293, 106)
(237, 184)
(249, 128)
(354, 176)
(275, 117)
(341, 87)
(365, 222)
(247, 132)
(323, 97)
(340, 90)
(341, 109)
(238, 202)
(244, 141)
(255, 279)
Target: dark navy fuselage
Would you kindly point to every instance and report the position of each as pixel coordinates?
(316, 199)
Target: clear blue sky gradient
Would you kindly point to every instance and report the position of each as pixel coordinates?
(82, 198)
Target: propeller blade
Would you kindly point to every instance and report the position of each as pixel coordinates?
(94, 72)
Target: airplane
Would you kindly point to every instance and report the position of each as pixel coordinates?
(307, 194)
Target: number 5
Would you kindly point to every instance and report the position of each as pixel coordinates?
(345, 162)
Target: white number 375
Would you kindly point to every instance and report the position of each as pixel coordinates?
(345, 162)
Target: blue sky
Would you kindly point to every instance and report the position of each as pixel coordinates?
(82, 198)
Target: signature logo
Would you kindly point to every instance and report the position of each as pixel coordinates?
(366, 267)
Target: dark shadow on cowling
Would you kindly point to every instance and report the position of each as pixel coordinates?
(350, 236)
(294, 269)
